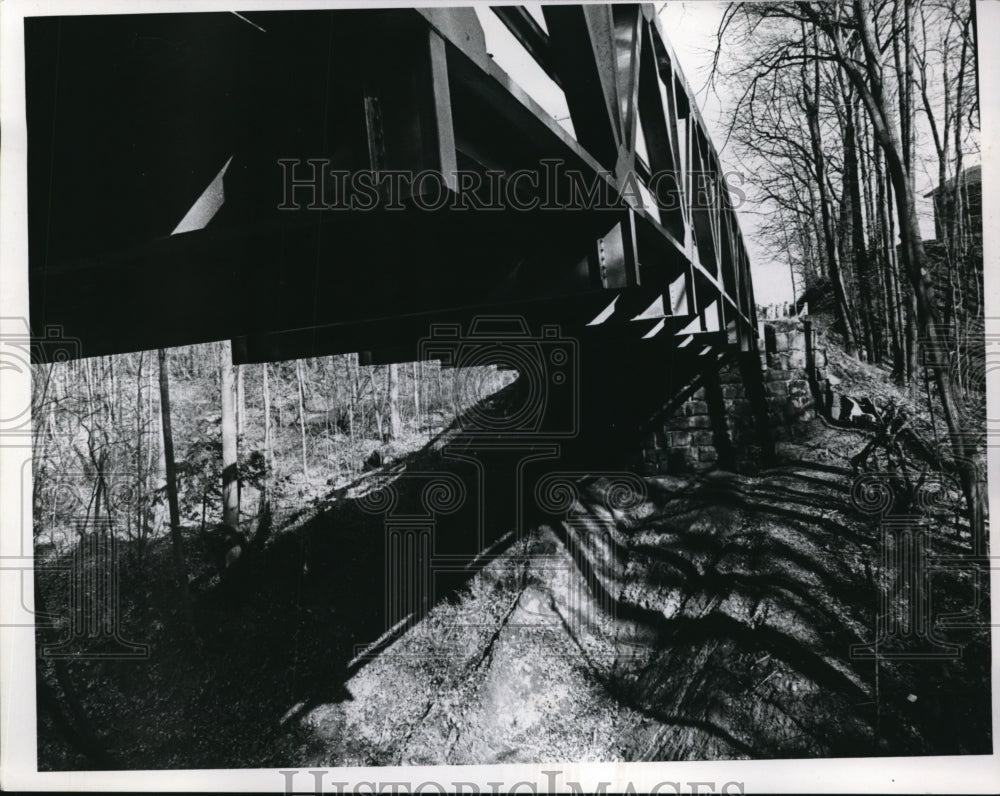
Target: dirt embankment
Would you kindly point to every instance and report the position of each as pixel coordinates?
(712, 618)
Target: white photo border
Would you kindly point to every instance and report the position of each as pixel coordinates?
(18, 762)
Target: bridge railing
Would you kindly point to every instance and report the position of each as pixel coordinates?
(633, 117)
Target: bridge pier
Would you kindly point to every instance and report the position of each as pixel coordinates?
(733, 411)
(720, 441)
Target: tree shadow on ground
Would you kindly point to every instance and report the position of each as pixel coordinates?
(721, 611)
(290, 625)
(746, 597)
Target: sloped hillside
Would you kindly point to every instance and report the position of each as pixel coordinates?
(700, 617)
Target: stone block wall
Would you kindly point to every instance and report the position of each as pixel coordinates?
(788, 363)
(689, 435)
(730, 422)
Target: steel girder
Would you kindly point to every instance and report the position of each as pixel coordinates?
(131, 117)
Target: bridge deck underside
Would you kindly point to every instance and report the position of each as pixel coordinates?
(192, 177)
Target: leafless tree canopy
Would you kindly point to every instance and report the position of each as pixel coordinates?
(841, 108)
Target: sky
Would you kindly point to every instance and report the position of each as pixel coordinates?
(692, 29)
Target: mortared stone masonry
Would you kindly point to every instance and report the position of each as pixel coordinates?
(732, 416)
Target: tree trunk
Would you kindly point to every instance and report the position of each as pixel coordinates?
(866, 76)
(811, 97)
(139, 474)
(352, 386)
(230, 468)
(268, 440)
(891, 271)
(376, 403)
(395, 424)
(155, 462)
(176, 540)
(241, 406)
(862, 271)
(299, 378)
(912, 344)
(357, 405)
(417, 367)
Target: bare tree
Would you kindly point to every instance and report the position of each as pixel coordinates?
(870, 46)
(241, 405)
(417, 374)
(395, 423)
(176, 540)
(867, 76)
(300, 379)
(268, 435)
(230, 468)
(811, 100)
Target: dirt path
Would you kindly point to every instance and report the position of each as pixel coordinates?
(710, 618)
(714, 619)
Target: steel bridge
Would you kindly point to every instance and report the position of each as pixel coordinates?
(194, 177)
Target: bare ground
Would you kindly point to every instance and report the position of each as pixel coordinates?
(718, 624)
(712, 619)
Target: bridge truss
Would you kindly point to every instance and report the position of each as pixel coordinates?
(192, 178)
